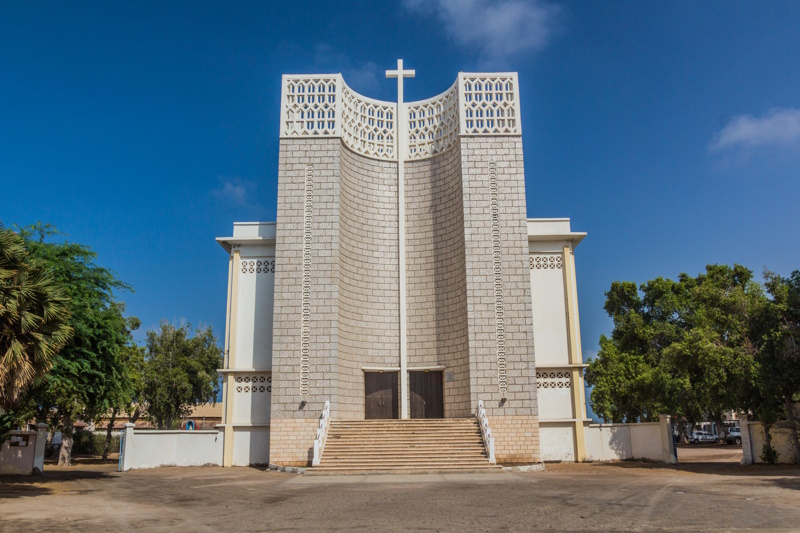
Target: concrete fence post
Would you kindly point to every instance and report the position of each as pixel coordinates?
(38, 453)
(747, 442)
(667, 442)
(127, 445)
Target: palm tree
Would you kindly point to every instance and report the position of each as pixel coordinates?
(33, 320)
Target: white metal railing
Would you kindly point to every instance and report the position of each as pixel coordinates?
(322, 433)
(486, 431)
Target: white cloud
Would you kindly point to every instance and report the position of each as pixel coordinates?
(497, 30)
(234, 191)
(776, 128)
(363, 77)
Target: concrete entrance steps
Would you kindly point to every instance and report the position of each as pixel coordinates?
(404, 446)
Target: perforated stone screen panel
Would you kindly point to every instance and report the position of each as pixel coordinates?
(324, 106)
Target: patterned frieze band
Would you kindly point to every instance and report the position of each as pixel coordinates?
(498, 280)
(305, 325)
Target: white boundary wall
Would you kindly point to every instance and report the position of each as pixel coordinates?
(612, 442)
(753, 442)
(148, 448)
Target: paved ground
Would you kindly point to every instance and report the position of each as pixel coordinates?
(620, 496)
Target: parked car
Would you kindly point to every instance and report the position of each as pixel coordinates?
(734, 436)
(702, 436)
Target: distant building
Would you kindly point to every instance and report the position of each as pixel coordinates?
(204, 416)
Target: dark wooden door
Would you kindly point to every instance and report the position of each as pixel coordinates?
(427, 394)
(380, 395)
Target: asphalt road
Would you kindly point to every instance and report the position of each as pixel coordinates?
(597, 497)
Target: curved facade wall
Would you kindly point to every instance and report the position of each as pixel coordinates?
(467, 284)
(369, 320)
(436, 276)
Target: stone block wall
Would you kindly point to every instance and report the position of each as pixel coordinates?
(516, 439)
(369, 310)
(436, 297)
(298, 157)
(499, 302)
(296, 444)
(459, 304)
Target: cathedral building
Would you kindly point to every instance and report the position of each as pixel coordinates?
(402, 292)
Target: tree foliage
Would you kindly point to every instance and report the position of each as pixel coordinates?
(88, 376)
(180, 370)
(778, 372)
(682, 347)
(34, 325)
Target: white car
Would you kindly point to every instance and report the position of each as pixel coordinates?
(734, 436)
(702, 436)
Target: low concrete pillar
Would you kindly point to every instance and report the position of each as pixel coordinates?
(667, 442)
(127, 444)
(747, 442)
(38, 453)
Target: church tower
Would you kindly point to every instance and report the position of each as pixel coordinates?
(398, 274)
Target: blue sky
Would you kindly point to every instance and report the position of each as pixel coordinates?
(670, 132)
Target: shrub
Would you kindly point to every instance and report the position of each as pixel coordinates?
(88, 443)
(769, 454)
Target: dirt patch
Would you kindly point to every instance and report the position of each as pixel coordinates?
(709, 453)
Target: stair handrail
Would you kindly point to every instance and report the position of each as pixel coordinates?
(322, 433)
(486, 431)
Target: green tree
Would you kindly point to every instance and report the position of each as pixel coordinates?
(713, 356)
(123, 394)
(779, 356)
(88, 374)
(630, 376)
(33, 326)
(681, 347)
(180, 371)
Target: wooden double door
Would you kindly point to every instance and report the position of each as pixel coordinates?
(381, 398)
(427, 394)
(380, 395)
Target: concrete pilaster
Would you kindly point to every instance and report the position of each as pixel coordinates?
(233, 299)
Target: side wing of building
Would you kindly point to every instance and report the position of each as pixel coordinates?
(247, 385)
(247, 372)
(556, 333)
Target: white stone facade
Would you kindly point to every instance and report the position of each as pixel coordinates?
(248, 347)
(487, 297)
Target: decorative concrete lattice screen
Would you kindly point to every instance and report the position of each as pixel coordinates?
(546, 262)
(258, 266)
(553, 380)
(310, 106)
(324, 106)
(368, 126)
(490, 104)
(433, 124)
(253, 383)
